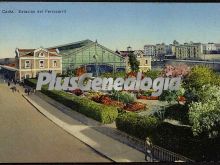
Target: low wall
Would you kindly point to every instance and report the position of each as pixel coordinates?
(215, 65)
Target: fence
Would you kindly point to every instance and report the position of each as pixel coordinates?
(160, 154)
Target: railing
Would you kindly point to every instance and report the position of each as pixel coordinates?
(160, 154)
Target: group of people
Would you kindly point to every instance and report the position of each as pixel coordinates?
(12, 84)
(29, 90)
(13, 88)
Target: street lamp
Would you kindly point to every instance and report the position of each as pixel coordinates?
(96, 64)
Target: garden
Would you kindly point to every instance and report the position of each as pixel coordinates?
(186, 121)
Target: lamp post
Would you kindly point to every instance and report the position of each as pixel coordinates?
(96, 65)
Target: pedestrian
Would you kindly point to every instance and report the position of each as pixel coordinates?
(13, 88)
(34, 91)
(28, 91)
(8, 83)
(148, 150)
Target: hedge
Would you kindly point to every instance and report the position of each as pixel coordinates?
(136, 125)
(102, 113)
(30, 82)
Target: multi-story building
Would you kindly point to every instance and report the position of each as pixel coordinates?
(189, 51)
(160, 51)
(30, 62)
(209, 48)
(157, 52)
(149, 50)
(170, 51)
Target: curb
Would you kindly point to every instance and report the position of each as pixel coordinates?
(64, 126)
(28, 100)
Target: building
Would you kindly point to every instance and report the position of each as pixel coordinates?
(144, 61)
(217, 45)
(93, 56)
(209, 48)
(157, 52)
(150, 50)
(160, 51)
(29, 62)
(189, 51)
(170, 52)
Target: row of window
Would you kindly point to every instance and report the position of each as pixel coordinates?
(41, 64)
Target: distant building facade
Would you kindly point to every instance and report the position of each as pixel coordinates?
(144, 61)
(30, 62)
(189, 51)
(150, 50)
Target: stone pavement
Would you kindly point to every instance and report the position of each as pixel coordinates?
(103, 144)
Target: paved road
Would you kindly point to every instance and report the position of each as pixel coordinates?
(28, 136)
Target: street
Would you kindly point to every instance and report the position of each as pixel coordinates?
(27, 136)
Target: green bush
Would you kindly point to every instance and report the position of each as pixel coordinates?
(136, 125)
(30, 82)
(152, 74)
(102, 113)
(177, 112)
(178, 139)
(115, 75)
(125, 97)
(169, 96)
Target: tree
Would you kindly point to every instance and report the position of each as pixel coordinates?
(199, 76)
(134, 63)
(153, 74)
(204, 114)
(194, 82)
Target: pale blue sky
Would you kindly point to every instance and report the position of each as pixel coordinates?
(114, 25)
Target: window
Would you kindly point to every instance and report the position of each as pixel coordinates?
(27, 64)
(41, 54)
(54, 63)
(41, 63)
(146, 61)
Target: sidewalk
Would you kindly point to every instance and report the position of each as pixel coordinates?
(103, 144)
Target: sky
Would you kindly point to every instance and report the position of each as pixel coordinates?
(113, 25)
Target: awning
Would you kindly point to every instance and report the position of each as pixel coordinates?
(8, 68)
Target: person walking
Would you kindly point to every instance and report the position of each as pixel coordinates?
(148, 150)
(28, 91)
(8, 83)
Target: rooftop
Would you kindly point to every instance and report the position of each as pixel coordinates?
(74, 45)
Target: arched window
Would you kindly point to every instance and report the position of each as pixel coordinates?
(41, 54)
